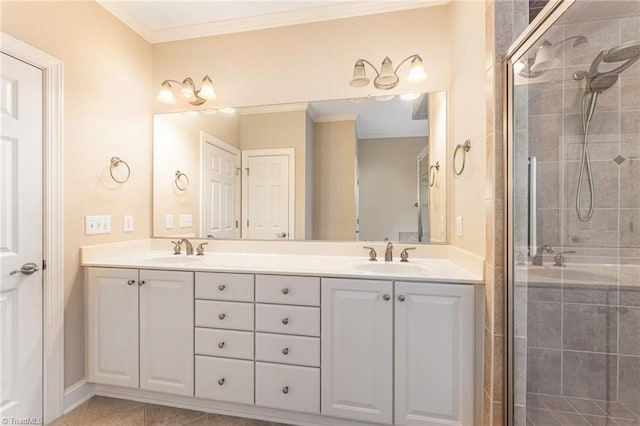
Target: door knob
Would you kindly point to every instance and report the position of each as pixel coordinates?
(401, 298)
(221, 382)
(27, 269)
(221, 287)
(285, 351)
(285, 390)
(221, 345)
(222, 316)
(282, 235)
(386, 297)
(285, 321)
(285, 291)
(131, 282)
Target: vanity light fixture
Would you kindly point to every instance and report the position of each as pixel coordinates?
(387, 78)
(187, 91)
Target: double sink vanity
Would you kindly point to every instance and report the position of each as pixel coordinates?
(301, 333)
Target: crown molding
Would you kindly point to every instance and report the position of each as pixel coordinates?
(334, 117)
(339, 10)
(268, 109)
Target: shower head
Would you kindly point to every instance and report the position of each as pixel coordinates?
(624, 52)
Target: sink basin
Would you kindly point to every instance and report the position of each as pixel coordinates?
(178, 259)
(391, 268)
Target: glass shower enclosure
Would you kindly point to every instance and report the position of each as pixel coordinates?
(573, 256)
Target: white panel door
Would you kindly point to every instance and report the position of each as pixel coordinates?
(221, 189)
(434, 354)
(357, 349)
(112, 326)
(166, 331)
(20, 240)
(269, 198)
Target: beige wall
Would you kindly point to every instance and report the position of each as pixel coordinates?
(308, 207)
(467, 111)
(388, 192)
(307, 62)
(177, 146)
(438, 154)
(334, 154)
(107, 112)
(281, 130)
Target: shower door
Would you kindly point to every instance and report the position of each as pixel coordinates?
(573, 258)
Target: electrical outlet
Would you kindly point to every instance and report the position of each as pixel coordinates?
(459, 226)
(127, 223)
(186, 221)
(97, 225)
(169, 224)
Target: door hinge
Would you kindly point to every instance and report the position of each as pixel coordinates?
(237, 171)
(44, 264)
(236, 223)
(247, 223)
(247, 169)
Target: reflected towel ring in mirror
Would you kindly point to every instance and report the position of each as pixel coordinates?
(181, 181)
(115, 162)
(465, 148)
(433, 172)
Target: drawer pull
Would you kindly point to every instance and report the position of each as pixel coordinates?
(285, 291)
(401, 298)
(285, 321)
(386, 297)
(221, 382)
(285, 351)
(222, 316)
(131, 282)
(221, 345)
(221, 287)
(141, 283)
(285, 390)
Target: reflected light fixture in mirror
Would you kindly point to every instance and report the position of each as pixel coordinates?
(187, 91)
(547, 56)
(387, 78)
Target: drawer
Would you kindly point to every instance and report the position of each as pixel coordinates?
(210, 285)
(288, 319)
(225, 343)
(288, 387)
(231, 315)
(223, 379)
(288, 290)
(288, 349)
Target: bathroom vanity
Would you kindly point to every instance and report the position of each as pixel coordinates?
(300, 339)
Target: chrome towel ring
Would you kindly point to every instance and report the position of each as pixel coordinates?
(465, 148)
(115, 162)
(181, 181)
(433, 172)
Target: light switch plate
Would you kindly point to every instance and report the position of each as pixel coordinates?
(97, 225)
(186, 221)
(459, 226)
(169, 224)
(127, 223)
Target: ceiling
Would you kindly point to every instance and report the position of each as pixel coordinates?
(161, 21)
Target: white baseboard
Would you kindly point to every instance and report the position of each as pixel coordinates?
(77, 394)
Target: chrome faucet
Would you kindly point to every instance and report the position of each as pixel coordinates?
(537, 259)
(388, 253)
(188, 245)
(558, 259)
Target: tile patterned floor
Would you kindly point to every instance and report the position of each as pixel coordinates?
(551, 410)
(103, 411)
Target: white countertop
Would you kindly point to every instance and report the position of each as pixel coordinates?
(440, 270)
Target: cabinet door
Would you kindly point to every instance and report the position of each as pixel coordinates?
(357, 349)
(434, 354)
(166, 331)
(112, 326)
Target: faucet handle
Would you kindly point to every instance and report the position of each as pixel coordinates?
(558, 259)
(404, 254)
(372, 254)
(545, 248)
(177, 247)
(200, 249)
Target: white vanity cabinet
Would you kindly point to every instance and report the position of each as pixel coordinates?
(433, 329)
(140, 329)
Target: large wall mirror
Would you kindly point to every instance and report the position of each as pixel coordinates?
(352, 169)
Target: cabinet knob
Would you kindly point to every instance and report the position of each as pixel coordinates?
(285, 291)
(222, 316)
(386, 297)
(285, 351)
(401, 298)
(221, 287)
(285, 390)
(221, 345)
(131, 282)
(221, 382)
(285, 321)
(141, 283)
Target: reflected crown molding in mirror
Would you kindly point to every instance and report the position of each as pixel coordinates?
(187, 91)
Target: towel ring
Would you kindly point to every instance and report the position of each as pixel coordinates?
(179, 185)
(433, 174)
(465, 148)
(115, 162)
